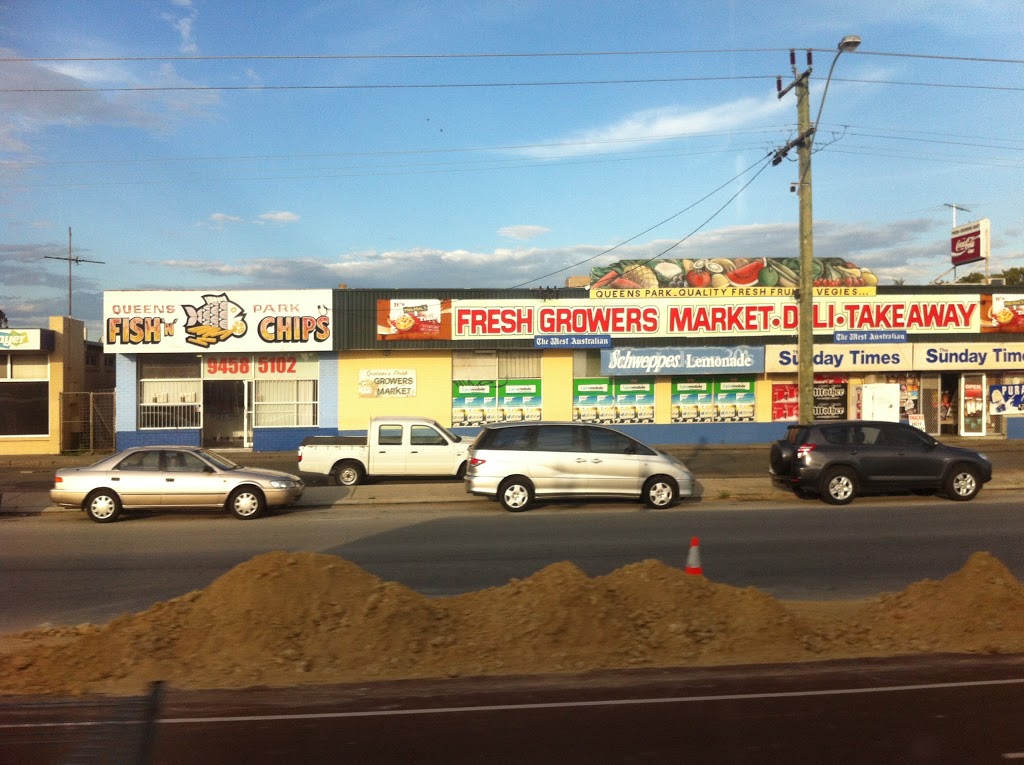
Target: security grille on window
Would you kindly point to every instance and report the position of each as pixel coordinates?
(170, 392)
(286, 403)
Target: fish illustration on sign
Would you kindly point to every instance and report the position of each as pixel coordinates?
(214, 321)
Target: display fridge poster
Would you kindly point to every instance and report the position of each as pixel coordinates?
(910, 393)
(593, 399)
(734, 400)
(634, 400)
(519, 400)
(692, 398)
(831, 398)
(785, 402)
(473, 402)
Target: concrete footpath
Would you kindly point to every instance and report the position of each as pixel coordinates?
(724, 473)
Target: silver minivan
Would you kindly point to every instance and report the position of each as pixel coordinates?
(518, 463)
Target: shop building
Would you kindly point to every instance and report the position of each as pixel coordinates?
(48, 378)
(688, 365)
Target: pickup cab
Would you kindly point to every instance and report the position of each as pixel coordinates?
(392, 446)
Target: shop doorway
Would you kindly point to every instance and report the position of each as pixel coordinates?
(227, 414)
(973, 421)
(949, 405)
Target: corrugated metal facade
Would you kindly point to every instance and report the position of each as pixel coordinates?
(355, 316)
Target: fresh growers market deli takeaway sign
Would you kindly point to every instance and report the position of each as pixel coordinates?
(756, 314)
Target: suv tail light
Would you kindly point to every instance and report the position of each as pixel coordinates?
(476, 462)
(804, 449)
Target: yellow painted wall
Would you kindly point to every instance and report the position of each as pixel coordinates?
(556, 385)
(67, 372)
(433, 387)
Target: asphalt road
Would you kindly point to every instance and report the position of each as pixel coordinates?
(63, 569)
(936, 709)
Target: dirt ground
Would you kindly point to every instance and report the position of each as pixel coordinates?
(284, 619)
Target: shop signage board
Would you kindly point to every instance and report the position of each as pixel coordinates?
(262, 366)
(859, 338)
(970, 242)
(708, 314)
(26, 340)
(968, 356)
(842, 358)
(387, 383)
(669, 361)
(573, 342)
(184, 321)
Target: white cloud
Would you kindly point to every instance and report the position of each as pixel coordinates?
(655, 125)
(218, 220)
(523, 233)
(184, 25)
(279, 216)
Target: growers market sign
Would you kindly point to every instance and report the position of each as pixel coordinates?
(770, 314)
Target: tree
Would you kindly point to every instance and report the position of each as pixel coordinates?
(972, 278)
(3, 319)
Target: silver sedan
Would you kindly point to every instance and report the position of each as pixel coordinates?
(172, 476)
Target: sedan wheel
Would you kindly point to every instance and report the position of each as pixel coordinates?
(838, 487)
(962, 483)
(516, 494)
(247, 503)
(103, 506)
(660, 491)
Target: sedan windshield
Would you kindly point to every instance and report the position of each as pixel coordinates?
(221, 462)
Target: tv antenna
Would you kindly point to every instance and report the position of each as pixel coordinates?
(956, 207)
(71, 260)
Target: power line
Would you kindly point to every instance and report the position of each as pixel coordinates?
(662, 223)
(456, 56)
(481, 85)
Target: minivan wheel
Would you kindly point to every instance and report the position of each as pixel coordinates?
(660, 491)
(962, 483)
(838, 486)
(515, 494)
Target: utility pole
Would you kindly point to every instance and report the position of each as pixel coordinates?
(70, 261)
(803, 143)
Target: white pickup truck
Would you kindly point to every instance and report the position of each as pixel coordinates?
(393, 446)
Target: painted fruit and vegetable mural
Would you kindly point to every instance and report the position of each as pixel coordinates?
(727, 272)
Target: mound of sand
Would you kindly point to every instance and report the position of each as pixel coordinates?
(285, 619)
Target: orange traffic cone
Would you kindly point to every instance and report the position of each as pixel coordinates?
(693, 559)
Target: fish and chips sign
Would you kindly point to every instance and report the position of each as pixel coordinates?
(191, 321)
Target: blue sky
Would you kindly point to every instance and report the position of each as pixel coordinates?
(396, 148)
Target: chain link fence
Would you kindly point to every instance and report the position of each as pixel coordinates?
(87, 422)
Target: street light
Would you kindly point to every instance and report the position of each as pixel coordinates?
(804, 143)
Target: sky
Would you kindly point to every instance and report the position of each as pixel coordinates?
(201, 145)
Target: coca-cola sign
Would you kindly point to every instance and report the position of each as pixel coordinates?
(970, 242)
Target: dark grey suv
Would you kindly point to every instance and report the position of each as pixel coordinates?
(837, 461)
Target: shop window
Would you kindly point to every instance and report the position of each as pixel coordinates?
(586, 364)
(518, 364)
(286, 403)
(170, 404)
(29, 367)
(24, 408)
(163, 366)
(491, 365)
(24, 395)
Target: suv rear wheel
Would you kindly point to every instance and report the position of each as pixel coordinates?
(838, 486)
(516, 494)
